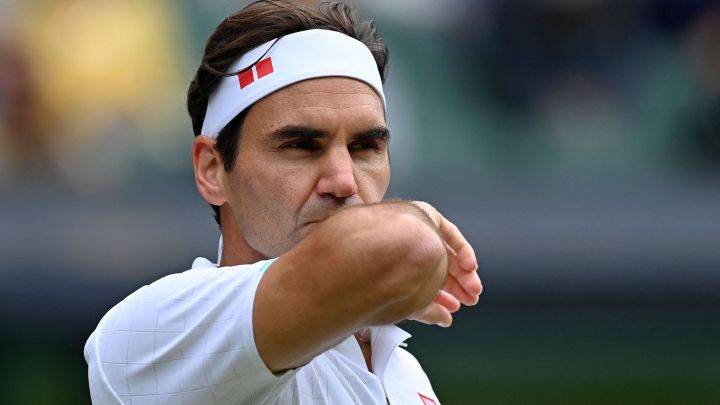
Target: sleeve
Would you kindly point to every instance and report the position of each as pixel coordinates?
(185, 339)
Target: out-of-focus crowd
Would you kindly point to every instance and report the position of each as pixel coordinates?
(89, 90)
(93, 92)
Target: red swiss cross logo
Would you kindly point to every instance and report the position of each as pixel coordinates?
(260, 69)
(427, 401)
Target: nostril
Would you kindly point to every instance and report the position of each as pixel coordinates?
(340, 185)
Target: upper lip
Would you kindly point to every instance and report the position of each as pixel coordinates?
(321, 216)
(317, 219)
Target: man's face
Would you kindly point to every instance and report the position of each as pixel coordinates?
(305, 151)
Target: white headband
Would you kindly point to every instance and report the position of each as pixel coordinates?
(281, 62)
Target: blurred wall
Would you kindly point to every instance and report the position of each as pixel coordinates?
(577, 144)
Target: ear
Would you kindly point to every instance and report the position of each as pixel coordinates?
(209, 170)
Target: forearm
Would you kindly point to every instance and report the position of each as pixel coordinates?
(363, 266)
(400, 253)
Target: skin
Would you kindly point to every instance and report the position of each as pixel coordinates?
(315, 176)
(311, 171)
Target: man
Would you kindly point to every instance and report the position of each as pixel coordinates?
(292, 153)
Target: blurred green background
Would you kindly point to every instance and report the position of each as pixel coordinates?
(577, 144)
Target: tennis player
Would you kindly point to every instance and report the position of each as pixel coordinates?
(314, 267)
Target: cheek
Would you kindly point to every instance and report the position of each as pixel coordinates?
(276, 194)
(374, 180)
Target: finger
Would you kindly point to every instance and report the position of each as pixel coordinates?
(467, 259)
(470, 281)
(434, 314)
(454, 288)
(455, 279)
(447, 300)
(452, 235)
(455, 239)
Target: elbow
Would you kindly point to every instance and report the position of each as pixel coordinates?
(423, 253)
(418, 266)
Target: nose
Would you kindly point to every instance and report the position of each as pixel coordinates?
(336, 177)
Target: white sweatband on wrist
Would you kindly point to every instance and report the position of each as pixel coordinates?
(281, 62)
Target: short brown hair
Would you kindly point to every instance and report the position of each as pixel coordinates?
(252, 26)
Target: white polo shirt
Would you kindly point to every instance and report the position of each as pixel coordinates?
(188, 339)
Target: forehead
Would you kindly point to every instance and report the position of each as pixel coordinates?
(319, 102)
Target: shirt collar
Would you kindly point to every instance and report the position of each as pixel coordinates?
(202, 262)
(384, 340)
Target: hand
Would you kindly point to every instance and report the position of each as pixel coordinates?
(462, 285)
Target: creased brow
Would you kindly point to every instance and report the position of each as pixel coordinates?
(380, 134)
(290, 132)
(297, 132)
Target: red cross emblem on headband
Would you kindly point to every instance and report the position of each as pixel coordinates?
(260, 69)
(427, 401)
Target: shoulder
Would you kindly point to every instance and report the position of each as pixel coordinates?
(201, 282)
(161, 336)
(163, 304)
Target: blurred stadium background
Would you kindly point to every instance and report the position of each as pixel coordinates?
(577, 142)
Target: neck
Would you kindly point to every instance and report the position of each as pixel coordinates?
(365, 348)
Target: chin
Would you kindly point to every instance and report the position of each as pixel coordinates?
(280, 249)
(292, 239)
(300, 234)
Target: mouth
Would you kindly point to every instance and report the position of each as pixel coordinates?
(316, 220)
(307, 228)
(320, 216)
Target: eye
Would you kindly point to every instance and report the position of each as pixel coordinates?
(364, 145)
(302, 144)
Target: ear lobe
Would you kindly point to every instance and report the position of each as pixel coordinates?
(208, 170)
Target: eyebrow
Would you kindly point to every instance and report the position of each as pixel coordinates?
(379, 133)
(290, 132)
